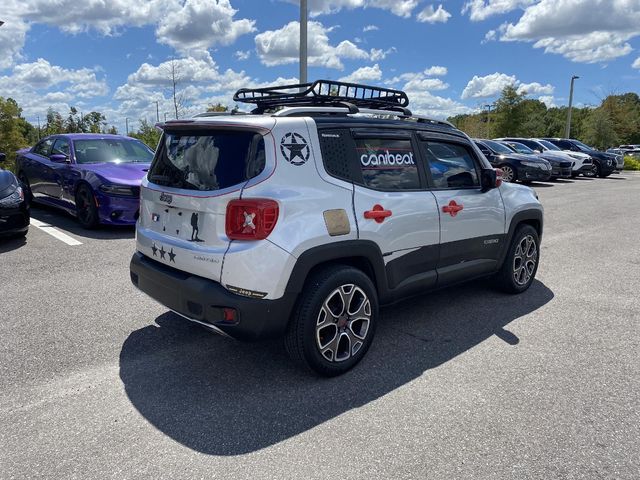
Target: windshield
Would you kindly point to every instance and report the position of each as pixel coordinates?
(520, 148)
(112, 150)
(549, 145)
(498, 147)
(207, 160)
(582, 146)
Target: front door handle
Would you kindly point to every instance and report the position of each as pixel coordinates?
(453, 208)
(378, 213)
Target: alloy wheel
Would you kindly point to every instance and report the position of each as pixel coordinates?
(507, 174)
(343, 323)
(525, 260)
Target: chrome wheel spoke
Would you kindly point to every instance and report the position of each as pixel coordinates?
(525, 259)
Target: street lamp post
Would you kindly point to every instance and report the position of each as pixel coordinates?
(126, 122)
(567, 130)
(303, 40)
(488, 107)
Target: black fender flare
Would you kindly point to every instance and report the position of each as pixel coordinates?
(532, 215)
(357, 253)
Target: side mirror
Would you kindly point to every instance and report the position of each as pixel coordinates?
(3, 157)
(59, 158)
(490, 178)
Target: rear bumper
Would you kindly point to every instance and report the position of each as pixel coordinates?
(202, 300)
(117, 210)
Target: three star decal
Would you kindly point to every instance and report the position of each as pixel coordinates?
(163, 252)
(294, 146)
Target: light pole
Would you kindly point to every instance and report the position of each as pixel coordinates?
(488, 107)
(303, 40)
(157, 112)
(126, 122)
(567, 130)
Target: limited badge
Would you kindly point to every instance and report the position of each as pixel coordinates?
(295, 149)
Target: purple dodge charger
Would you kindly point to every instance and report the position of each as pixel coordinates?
(95, 177)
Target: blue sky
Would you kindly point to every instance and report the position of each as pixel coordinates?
(451, 57)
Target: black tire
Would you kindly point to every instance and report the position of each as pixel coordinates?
(27, 187)
(306, 333)
(574, 174)
(511, 277)
(86, 209)
(597, 171)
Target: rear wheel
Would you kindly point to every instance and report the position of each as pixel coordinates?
(334, 322)
(86, 209)
(508, 173)
(521, 264)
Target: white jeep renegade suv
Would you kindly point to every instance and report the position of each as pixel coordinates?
(302, 218)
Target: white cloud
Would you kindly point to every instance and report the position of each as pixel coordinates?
(242, 54)
(280, 47)
(401, 8)
(425, 103)
(536, 88)
(487, 86)
(548, 100)
(636, 64)
(201, 24)
(587, 31)
(425, 84)
(364, 74)
(482, 9)
(431, 15)
(379, 54)
(370, 28)
(436, 71)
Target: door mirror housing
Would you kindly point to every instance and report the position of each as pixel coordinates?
(59, 158)
(490, 178)
(3, 157)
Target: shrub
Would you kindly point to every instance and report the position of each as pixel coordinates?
(631, 163)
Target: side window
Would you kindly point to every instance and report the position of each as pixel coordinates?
(451, 165)
(387, 164)
(61, 147)
(44, 147)
(485, 151)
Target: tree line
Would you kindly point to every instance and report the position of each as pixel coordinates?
(616, 121)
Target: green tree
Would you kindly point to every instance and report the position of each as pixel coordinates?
(218, 107)
(599, 130)
(509, 113)
(12, 128)
(147, 133)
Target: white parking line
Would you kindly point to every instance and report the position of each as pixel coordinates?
(54, 232)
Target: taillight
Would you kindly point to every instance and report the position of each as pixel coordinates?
(252, 219)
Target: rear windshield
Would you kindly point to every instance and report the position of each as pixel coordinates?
(207, 160)
(112, 150)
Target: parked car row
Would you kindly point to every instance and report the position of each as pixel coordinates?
(539, 159)
(626, 150)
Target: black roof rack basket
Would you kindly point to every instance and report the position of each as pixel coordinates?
(324, 93)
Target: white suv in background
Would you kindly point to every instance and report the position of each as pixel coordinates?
(329, 200)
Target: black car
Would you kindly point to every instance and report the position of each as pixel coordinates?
(604, 164)
(560, 168)
(513, 165)
(14, 209)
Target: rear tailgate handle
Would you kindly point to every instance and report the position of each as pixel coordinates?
(378, 213)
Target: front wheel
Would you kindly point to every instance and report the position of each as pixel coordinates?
(521, 264)
(86, 209)
(334, 322)
(508, 173)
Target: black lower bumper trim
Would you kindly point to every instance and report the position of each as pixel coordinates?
(203, 300)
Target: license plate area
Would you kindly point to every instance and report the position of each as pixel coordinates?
(179, 223)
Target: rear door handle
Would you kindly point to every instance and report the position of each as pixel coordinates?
(378, 213)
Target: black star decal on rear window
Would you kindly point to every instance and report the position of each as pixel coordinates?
(172, 256)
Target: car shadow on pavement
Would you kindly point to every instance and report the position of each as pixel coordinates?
(63, 221)
(8, 244)
(222, 397)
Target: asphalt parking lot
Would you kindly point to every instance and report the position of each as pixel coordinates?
(98, 381)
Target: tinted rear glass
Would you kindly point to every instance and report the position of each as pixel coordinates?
(207, 160)
(113, 150)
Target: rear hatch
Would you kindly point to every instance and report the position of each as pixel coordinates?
(196, 171)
